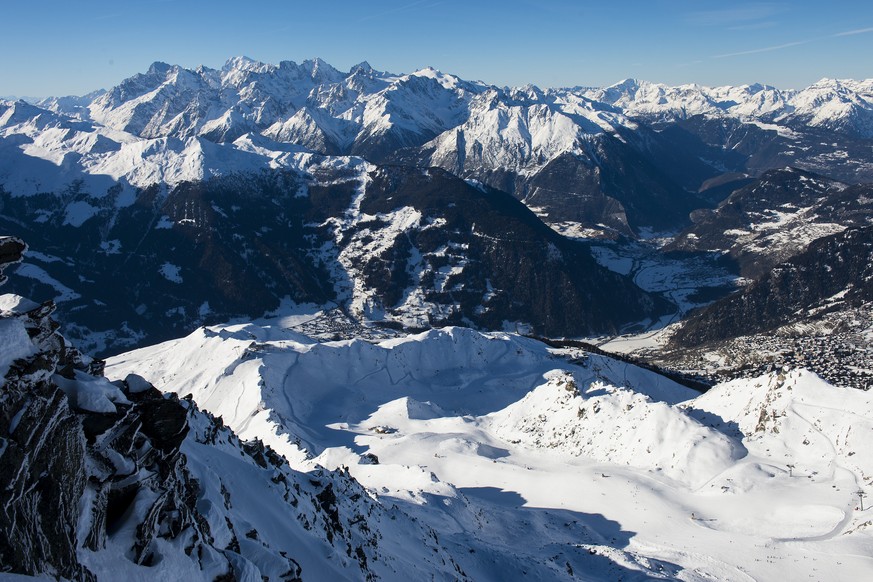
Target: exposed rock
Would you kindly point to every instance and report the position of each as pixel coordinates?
(102, 480)
(11, 249)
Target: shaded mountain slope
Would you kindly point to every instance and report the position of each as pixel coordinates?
(394, 245)
(833, 272)
(776, 217)
(512, 267)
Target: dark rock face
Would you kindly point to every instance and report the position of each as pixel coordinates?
(93, 490)
(833, 272)
(10, 252)
(203, 253)
(40, 438)
(42, 478)
(589, 204)
(630, 173)
(154, 466)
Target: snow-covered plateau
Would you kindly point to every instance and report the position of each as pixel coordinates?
(542, 463)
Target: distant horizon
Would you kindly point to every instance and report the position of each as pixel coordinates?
(218, 67)
(68, 48)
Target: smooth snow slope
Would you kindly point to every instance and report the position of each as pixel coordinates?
(525, 461)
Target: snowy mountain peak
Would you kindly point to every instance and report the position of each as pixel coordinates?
(447, 81)
(16, 110)
(24, 118)
(629, 84)
(321, 72)
(433, 73)
(159, 68)
(363, 67)
(529, 92)
(758, 87)
(242, 63)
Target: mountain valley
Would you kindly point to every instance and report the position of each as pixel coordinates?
(286, 322)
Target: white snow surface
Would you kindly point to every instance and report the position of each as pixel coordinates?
(77, 213)
(10, 303)
(173, 124)
(171, 272)
(521, 452)
(31, 271)
(91, 393)
(521, 130)
(14, 344)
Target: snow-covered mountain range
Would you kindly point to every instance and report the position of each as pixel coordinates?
(351, 267)
(173, 124)
(620, 161)
(362, 112)
(837, 104)
(355, 111)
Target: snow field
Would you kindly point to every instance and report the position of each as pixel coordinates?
(473, 432)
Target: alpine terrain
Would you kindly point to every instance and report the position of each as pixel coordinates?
(287, 322)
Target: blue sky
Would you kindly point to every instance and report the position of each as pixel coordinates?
(64, 47)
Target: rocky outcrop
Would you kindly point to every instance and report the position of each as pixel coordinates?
(102, 481)
(42, 447)
(10, 252)
(69, 469)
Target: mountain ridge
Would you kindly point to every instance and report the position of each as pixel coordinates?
(632, 161)
(194, 123)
